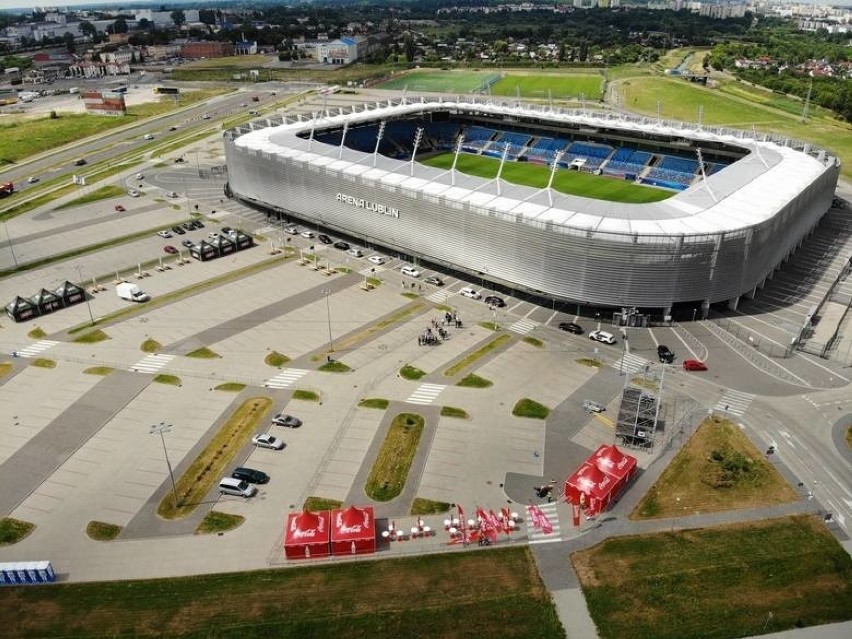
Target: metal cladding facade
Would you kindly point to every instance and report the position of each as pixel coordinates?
(387, 206)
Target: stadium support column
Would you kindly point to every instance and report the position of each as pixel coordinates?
(705, 308)
(733, 303)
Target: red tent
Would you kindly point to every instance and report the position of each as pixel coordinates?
(613, 462)
(308, 535)
(353, 531)
(590, 488)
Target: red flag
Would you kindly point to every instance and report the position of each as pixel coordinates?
(487, 524)
(507, 519)
(462, 522)
(539, 519)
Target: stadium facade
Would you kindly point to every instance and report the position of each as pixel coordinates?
(717, 239)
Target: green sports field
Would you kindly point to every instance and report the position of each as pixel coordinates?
(536, 175)
(546, 86)
(441, 81)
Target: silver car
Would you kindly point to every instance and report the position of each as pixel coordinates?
(283, 419)
(265, 440)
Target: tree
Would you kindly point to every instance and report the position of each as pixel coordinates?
(119, 26)
(144, 24)
(88, 29)
(409, 46)
(68, 37)
(178, 17)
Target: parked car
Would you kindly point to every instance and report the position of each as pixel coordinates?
(236, 487)
(171, 250)
(434, 280)
(174, 128)
(493, 300)
(602, 336)
(591, 406)
(325, 239)
(172, 195)
(694, 365)
(140, 176)
(283, 419)
(292, 230)
(265, 440)
(354, 252)
(164, 234)
(148, 136)
(188, 226)
(188, 243)
(133, 193)
(178, 230)
(341, 245)
(377, 259)
(665, 354)
(206, 116)
(250, 475)
(80, 162)
(227, 230)
(471, 293)
(198, 224)
(410, 271)
(571, 327)
(120, 208)
(308, 235)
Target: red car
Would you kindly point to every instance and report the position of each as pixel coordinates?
(120, 208)
(171, 250)
(694, 365)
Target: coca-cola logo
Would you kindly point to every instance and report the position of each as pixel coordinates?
(303, 534)
(622, 463)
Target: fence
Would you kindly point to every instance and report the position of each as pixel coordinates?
(747, 337)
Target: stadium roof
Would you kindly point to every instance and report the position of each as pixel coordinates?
(746, 193)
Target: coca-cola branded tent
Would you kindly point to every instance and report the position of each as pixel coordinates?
(590, 488)
(353, 531)
(308, 535)
(610, 460)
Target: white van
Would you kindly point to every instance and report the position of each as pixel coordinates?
(237, 487)
(410, 271)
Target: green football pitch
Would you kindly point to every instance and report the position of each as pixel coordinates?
(441, 81)
(598, 187)
(547, 86)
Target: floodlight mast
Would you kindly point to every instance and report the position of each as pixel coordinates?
(704, 176)
(553, 166)
(456, 158)
(379, 135)
(418, 136)
(343, 139)
(500, 168)
(313, 128)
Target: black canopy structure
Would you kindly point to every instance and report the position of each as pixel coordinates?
(46, 301)
(70, 293)
(21, 309)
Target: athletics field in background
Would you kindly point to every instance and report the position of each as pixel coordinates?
(530, 86)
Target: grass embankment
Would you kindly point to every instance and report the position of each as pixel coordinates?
(306, 395)
(169, 380)
(476, 355)
(216, 522)
(150, 345)
(556, 86)
(533, 341)
(411, 372)
(591, 362)
(43, 362)
(203, 473)
(429, 507)
(102, 531)
(599, 187)
(203, 353)
(334, 366)
(452, 411)
(275, 359)
(474, 381)
(315, 504)
(493, 593)
(718, 469)
(103, 193)
(390, 470)
(230, 387)
(717, 583)
(5, 368)
(99, 370)
(374, 402)
(92, 337)
(526, 407)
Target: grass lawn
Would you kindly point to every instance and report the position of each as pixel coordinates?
(535, 175)
(479, 353)
(230, 387)
(276, 359)
(96, 335)
(374, 402)
(474, 381)
(98, 370)
(411, 372)
(103, 193)
(487, 593)
(717, 583)
(14, 530)
(315, 504)
(547, 85)
(526, 407)
(390, 470)
(150, 345)
(203, 353)
(718, 469)
(422, 506)
(102, 531)
(740, 106)
(215, 522)
(453, 411)
(442, 81)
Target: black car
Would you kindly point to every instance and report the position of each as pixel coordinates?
(188, 226)
(325, 239)
(198, 224)
(341, 246)
(665, 354)
(80, 162)
(188, 243)
(497, 302)
(250, 475)
(227, 230)
(434, 280)
(178, 230)
(571, 327)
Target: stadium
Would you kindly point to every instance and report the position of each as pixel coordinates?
(706, 217)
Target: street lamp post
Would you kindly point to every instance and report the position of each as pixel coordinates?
(328, 318)
(623, 351)
(85, 294)
(694, 313)
(161, 428)
(11, 248)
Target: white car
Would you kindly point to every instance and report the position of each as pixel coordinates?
(265, 440)
(140, 176)
(410, 271)
(308, 235)
(133, 193)
(602, 336)
(32, 180)
(377, 259)
(171, 194)
(164, 233)
(355, 252)
(149, 136)
(471, 293)
(206, 116)
(291, 230)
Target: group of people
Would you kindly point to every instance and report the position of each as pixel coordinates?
(436, 333)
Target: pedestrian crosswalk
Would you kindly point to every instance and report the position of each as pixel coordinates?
(523, 326)
(734, 402)
(34, 349)
(426, 393)
(630, 363)
(537, 536)
(152, 363)
(438, 297)
(285, 378)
